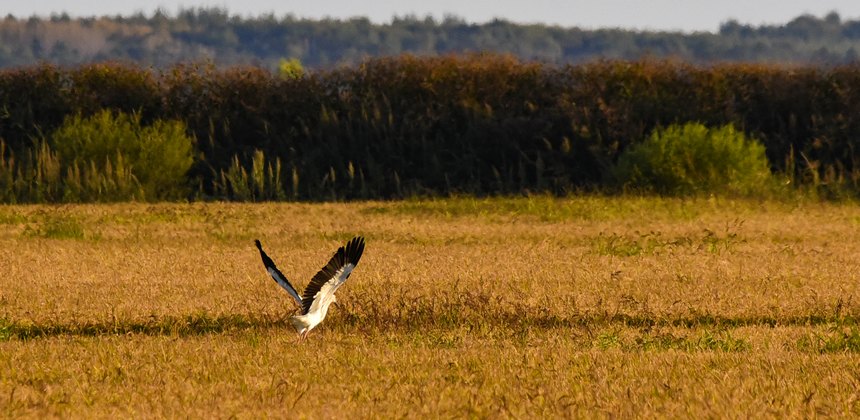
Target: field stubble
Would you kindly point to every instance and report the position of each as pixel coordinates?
(462, 307)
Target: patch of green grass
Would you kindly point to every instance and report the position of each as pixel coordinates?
(721, 341)
(12, 218)
(645, 244)
(662, 341)
(837, 340)
(5, 330)
(592, 207)
(653, 243)
(160, 214)
(59, 227)
(715, 244)
(709, 340)
(608, 339)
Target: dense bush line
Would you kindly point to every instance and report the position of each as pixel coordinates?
(480, 124)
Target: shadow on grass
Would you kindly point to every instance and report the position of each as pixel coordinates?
(191, 325)
(348, 320)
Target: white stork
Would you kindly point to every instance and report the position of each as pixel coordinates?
(319, 293)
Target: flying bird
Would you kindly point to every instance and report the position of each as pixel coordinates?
(319, 293)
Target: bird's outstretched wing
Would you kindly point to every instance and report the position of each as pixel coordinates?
(276, 274)
(330, 277)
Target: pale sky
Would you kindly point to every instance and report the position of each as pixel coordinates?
(685, 15)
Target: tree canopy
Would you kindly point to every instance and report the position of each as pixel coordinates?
(161, 40)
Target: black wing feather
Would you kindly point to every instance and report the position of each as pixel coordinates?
(349, 254)
(270, 265)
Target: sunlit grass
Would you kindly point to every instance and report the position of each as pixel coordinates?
(596, 207)
(498, 307)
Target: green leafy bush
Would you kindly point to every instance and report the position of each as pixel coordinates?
(291, 69)
(692, 159)
(112, 156)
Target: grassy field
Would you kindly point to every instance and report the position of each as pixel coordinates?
(590, 306)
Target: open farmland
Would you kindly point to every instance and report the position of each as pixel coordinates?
(527, 307)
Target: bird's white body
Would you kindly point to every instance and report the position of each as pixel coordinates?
(321, 301)
(319, 294)
(305, 323)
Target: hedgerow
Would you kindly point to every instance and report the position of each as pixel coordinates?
(478, 124)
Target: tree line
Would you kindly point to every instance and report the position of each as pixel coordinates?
(162, 40)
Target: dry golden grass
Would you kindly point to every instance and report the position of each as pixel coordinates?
(489, 308)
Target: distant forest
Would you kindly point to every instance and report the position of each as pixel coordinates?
(161, 40)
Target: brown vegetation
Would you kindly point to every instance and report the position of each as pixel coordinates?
(463, 307)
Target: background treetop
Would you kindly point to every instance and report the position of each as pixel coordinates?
(162, 40)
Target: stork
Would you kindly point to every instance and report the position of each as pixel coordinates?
(319, 293)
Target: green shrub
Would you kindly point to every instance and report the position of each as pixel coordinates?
(58, 227)
(693, 159)
(112, 156)
(290, 69)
